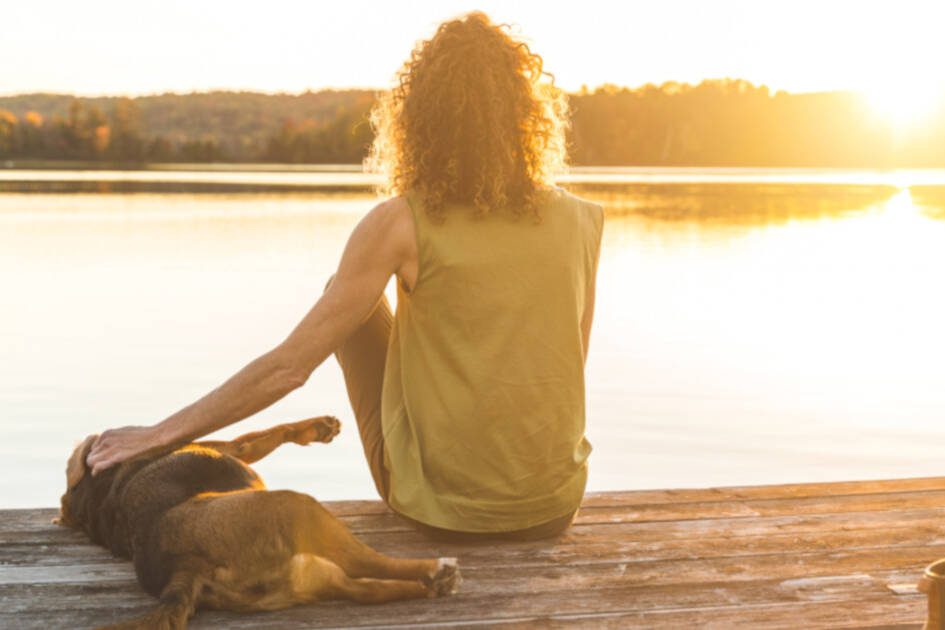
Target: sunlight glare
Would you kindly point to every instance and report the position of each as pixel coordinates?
(907, 102)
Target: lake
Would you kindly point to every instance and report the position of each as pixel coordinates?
(752, 326)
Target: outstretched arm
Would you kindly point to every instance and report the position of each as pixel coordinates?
(382, 244)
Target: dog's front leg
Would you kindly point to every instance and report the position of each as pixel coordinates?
(178, 601)
(254, 446)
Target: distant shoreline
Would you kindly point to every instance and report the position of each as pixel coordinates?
(87, 165)
(719, 122)
(575, 171)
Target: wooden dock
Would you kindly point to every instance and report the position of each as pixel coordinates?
(837, 555)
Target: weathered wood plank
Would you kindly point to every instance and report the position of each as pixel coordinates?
(837, 504)
(659, 504)
(566, 551)
(541, 609)
(503, 604)
(681, 495)
(925, 524)
(900, 511)
(482, 583)
(774, 491)
(864, 615)
(504, 576)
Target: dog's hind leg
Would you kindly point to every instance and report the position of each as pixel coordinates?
(320, 533)
(360, 560)
(440, 576)
(254, 446)
(315, 578)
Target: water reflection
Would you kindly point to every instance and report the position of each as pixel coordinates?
(166, 178)
(737, 204)
(931, 199)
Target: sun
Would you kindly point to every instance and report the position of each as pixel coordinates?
(906, 105)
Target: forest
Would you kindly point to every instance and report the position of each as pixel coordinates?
(724, 122)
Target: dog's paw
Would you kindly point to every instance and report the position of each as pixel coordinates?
(446, 580)
(321, 429)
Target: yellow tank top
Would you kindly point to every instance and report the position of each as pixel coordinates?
(483, 396)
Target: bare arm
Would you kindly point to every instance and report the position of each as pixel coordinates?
(382, 244)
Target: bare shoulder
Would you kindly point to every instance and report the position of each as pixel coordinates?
(582, 205)
(391, 222)
(390, 211)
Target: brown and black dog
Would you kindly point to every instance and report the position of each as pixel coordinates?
(203, 531)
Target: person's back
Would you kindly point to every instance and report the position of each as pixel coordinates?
(483, 400)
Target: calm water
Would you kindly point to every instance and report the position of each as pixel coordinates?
(770, 327)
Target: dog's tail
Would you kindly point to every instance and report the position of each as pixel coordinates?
(177, 604)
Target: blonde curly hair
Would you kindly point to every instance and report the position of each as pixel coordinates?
(469, 121)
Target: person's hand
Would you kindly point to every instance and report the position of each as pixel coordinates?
(117, 445)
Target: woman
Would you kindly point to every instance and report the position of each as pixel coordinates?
(470, 400)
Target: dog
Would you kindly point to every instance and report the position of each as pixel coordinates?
(204, 532)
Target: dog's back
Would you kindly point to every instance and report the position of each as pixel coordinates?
(163, 484)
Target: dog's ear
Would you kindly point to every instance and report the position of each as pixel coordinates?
(76, 467)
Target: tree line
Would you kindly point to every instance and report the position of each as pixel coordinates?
(726, 122)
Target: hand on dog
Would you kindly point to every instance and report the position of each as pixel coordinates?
(117, 445)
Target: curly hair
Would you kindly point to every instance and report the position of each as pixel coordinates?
(470, 122)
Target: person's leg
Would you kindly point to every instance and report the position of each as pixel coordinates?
(362, 357)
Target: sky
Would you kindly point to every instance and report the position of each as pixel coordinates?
(110, 47)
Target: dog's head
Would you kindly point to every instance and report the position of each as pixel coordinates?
(70, 513)
(92, 504)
